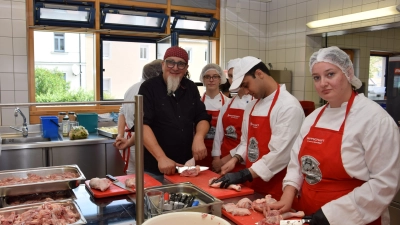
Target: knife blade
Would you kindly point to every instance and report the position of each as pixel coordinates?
(183, 168)
(305, 220)
(119, 183)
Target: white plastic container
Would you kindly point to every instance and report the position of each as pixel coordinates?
(185, 218)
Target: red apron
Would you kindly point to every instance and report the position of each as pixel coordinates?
(232, 125)
(127, 152)
(259, 135)
(209, 140)
(325, 178)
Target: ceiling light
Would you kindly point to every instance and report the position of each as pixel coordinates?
(371, 14)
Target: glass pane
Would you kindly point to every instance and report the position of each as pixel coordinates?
(196, 51)
(124, 68)
(56, 48)
(133, 20)
(62, 44)
(58, 14)
(162, 46)
(77, 66)
(191, 24)
(376, 82)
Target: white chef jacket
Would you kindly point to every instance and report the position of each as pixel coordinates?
(214, 103)
(285, 120)
(370, 152)
(128, 110)
(238, 103)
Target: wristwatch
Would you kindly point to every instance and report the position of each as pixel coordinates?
(239, 158)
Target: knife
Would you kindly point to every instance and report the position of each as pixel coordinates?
(305, 220)
(183, 168)
(119, 183)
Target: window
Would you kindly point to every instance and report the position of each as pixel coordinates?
(106, 50)
(189, 52)
(107, 84)
(205, 55)
(377, 74)
(144, 49)
(52, 84)
(125, 67)
(59, 42)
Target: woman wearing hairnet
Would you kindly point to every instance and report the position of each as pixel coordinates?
(344, 166)
(125, 138)
(212, 76)
(229, 126)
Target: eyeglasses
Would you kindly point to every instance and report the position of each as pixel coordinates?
(172, 63)
(214, 77)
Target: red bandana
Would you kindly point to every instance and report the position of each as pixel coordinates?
(176, 51)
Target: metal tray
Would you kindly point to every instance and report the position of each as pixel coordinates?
(58, 195)
(21, 209)
(48, 186)
(208, 203)
(107, 134)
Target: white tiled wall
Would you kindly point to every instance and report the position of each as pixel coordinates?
(13, 59)
(287, 44)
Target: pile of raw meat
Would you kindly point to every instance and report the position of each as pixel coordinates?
(48, 213)
(272, 217)
(34, 178)
(37, 198)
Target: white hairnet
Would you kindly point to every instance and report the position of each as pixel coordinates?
(339, 58)
(213, 66)
(152, 69)
(232, 63)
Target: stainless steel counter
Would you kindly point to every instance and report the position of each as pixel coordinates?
(93, 138)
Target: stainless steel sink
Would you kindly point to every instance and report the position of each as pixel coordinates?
(17, 139)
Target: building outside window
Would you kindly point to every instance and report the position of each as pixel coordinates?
(59, 42)
(144, 52)
(107, 84)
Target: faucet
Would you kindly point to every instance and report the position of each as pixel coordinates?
(24, 125)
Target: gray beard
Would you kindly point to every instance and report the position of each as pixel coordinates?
(172, 84)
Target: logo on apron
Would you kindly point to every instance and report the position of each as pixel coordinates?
(231, 132)
(309, 167)
(252, 151)
(211, 133)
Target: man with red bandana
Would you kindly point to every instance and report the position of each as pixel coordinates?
(175, 120)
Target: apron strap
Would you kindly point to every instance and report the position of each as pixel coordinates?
(127, 152)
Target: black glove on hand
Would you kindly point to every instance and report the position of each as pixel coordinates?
(318, 218)
(235, 178)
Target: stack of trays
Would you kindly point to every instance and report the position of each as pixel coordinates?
(25, 195)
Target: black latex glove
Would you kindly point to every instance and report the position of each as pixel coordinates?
(235, 178)
(318, 218)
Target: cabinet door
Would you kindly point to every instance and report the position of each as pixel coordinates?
(115, 163)
(22, 158)
(91, 159)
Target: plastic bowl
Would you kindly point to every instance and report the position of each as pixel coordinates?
(185, 218)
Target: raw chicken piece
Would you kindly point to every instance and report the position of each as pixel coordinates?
(191, 172)
(235, 187)
(236, 211)
(245, 203)
(100, 184)
(130, 182)
(260, 204)
(272, 217)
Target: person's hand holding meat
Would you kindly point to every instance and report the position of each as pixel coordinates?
(166, 165)
(285, 203)
(199, 149)
(229, 166)
(235, 178)
(318, 218)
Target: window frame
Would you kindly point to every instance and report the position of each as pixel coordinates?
(37, 111)
(59, 39)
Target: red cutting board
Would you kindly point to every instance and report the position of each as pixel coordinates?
(114, 190)
(202, 181)
(251, 219)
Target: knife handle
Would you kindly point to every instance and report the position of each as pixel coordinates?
(110, 177)
(307, 219)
